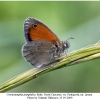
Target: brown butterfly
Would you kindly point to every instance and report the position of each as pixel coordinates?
(42, 45)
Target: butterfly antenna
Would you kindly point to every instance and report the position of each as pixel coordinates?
(70, 38)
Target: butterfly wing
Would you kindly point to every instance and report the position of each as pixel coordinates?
(36, 30)
(42, 44)
(39, 53)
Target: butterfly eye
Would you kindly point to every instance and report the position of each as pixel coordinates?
(34, 25)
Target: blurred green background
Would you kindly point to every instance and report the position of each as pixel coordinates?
(60, 17)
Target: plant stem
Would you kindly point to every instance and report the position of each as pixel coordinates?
(79, 56)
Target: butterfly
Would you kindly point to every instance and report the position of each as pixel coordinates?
(42, 45)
